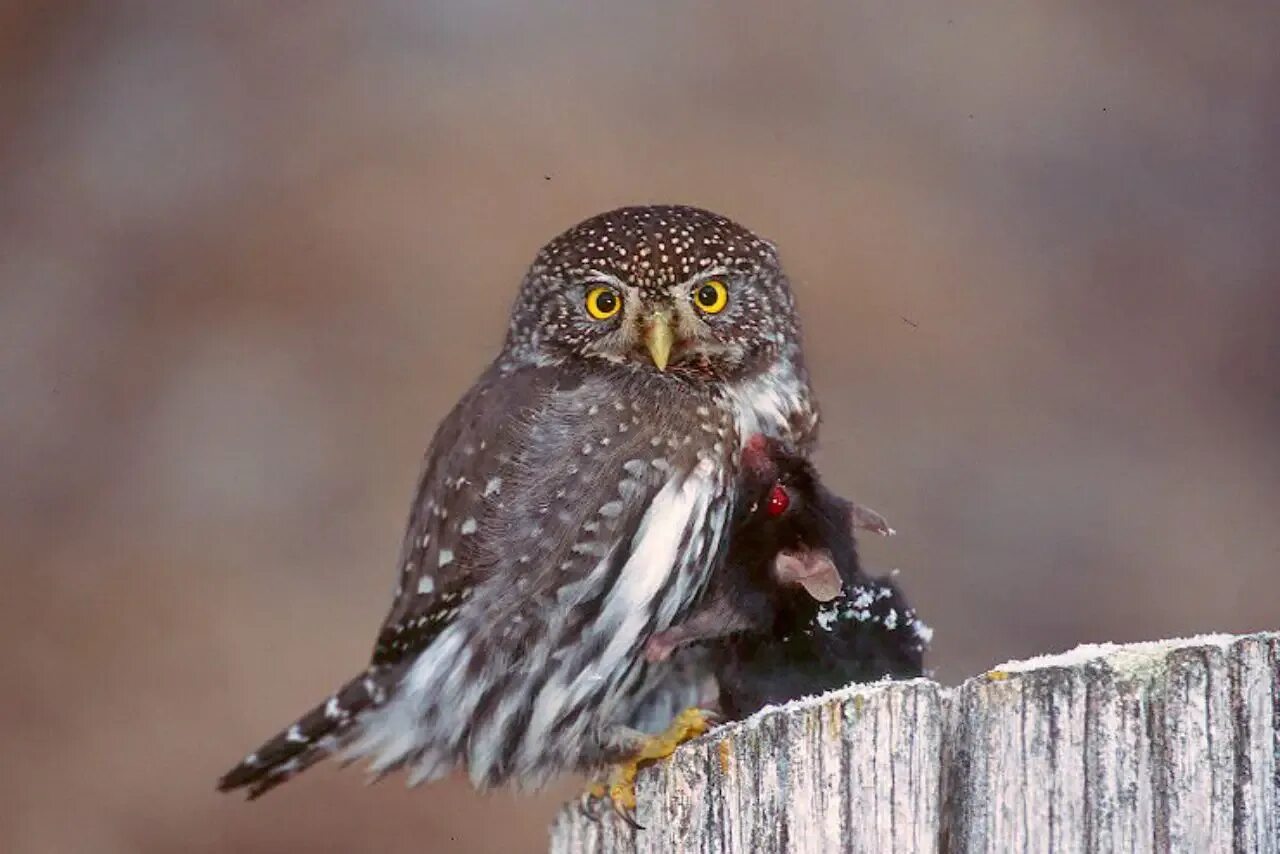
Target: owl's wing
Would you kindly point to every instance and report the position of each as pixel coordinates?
(462, 475)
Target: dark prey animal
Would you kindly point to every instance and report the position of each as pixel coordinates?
(791, 613)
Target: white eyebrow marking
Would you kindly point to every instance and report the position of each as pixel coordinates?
(701, 275)
(608, 279)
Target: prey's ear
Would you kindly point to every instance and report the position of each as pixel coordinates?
(812, 569)
(861, 516)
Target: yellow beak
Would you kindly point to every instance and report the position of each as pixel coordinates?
(659, 337)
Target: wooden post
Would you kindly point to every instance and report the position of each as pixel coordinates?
(1167, 746)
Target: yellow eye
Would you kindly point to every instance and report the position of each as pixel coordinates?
(603, 303)
(711, 296)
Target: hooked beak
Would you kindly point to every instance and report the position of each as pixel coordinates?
(659, 337)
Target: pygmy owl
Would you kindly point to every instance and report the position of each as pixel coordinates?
(573, 503)
(792, 610)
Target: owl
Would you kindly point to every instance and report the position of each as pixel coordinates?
(572, 504)
(791, 613)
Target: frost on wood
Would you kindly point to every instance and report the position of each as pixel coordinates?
(1167, 746)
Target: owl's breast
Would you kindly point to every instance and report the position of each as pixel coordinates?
(776, 402)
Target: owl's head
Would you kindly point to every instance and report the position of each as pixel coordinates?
(659, 288)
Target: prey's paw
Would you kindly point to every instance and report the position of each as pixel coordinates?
(662, 645)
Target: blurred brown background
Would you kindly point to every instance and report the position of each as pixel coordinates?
(250, 253)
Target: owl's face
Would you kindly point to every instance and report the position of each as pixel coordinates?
(664, 289)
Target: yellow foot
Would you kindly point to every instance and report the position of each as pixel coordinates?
(686, 726)
(619, 788)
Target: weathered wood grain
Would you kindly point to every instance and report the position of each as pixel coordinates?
(1150, 747)
(860, 765)
(1168, 746)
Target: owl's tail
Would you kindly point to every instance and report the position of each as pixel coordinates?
(314, 736)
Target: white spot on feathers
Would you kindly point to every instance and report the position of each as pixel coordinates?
(446, 557)
(630, 488)
(592, 548)
(426, 584)
(469, 526)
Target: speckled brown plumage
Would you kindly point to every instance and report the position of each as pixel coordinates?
(572, 504)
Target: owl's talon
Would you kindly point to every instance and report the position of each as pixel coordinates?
(627, 814)
(620, 786)
(617, 789)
